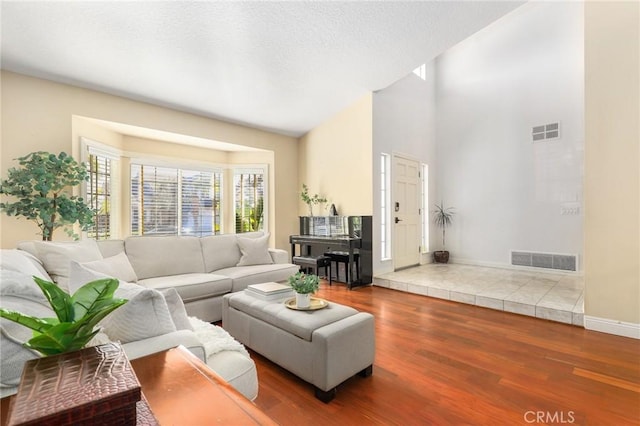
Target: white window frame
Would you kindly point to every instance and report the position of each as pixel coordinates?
(424, 172)
(385, 203)
(180, 166)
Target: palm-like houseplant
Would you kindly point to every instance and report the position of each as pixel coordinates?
(41, 189)
(76, 316)
(442, 217)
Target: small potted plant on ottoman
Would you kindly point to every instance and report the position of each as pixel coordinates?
(304, 285)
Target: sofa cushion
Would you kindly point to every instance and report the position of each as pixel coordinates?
(279, 255)
(23, 262)
(227, 357)
(237, 370)
(299, 323)
(222, 251)
(186, 338)
(192, 287)
(145, 315)
(164, 256)
(242, 276)
(56, 256)
(110, 248)
(255, 251)
(117, 266)
(176, 309)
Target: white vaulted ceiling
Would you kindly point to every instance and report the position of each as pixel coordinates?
(279, 66)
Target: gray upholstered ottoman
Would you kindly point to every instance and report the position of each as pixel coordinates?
(323, 347)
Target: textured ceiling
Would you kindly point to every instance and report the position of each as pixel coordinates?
(279, 66)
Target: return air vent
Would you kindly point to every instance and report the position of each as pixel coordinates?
(563, 262)
(545, 132)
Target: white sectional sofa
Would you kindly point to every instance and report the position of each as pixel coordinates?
(202, 270)
(156, 274)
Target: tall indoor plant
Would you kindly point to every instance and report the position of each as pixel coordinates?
(442, 218)
(42, 188)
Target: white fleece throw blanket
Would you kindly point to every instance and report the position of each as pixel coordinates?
(215, 339)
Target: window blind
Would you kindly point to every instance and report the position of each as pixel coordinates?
(200, 209)
(172, 201)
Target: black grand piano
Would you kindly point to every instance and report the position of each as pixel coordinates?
(350, 234)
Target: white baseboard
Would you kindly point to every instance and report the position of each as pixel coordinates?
(619, 328)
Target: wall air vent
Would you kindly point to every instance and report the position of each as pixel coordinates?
(562, 262)
(545, 132)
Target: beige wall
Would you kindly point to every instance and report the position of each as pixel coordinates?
(81, 127)
(612, 161)
(39, 115)
(151, 148)
(336, 160)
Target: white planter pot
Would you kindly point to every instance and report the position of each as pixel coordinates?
(303, 300)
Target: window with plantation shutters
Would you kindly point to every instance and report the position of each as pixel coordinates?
(174, 201)
(98, 196)
(101, 190)
(249, 194)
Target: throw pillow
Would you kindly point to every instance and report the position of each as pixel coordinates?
(177, 310)
(56, 257)
(117, 266)
(80, 275)
(146, 314)
(255, 251)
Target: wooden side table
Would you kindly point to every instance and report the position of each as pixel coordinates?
(182, 390)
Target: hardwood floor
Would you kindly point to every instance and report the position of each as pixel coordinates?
(441, 363)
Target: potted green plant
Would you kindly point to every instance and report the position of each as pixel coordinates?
(442, 217)
(76, 316)
(304, 285)
(41, 188)
(310, 201)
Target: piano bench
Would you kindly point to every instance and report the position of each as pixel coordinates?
(343, 257)
(314, 263)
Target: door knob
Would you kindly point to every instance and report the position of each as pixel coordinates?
(398, 220)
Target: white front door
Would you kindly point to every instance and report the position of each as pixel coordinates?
(405, 212)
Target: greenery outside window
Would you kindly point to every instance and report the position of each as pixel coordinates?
(249, 199)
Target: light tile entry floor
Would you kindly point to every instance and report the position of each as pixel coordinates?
(551, 296)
